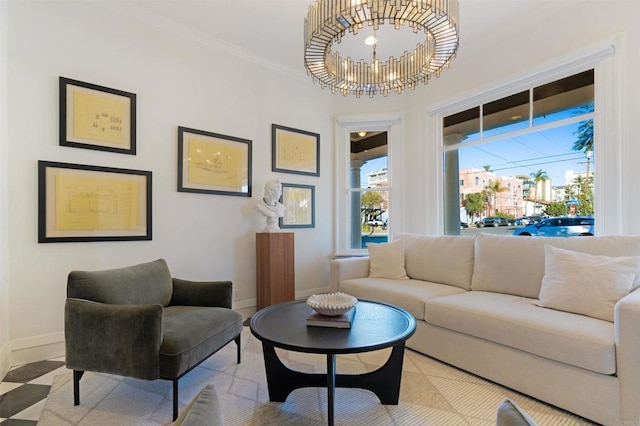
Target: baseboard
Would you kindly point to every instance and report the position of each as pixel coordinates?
(5, 360)
(37, 348)
(306, 293)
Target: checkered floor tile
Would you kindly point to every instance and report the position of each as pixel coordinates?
(24, 389)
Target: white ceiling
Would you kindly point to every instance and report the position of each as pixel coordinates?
(271, 31)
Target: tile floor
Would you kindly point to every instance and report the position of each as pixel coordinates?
(24, 390)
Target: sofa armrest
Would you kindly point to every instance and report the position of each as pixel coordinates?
(627, 340)
(115, 339)
(202, 293)
(348, 268)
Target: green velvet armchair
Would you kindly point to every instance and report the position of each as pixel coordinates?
(140, 322)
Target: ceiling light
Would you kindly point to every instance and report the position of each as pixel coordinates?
(370, 40)
(362, 134)
(328, 21)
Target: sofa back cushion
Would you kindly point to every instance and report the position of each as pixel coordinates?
(515, 264)
(440, 259)
(143, 284)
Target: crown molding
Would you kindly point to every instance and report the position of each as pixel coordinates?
(191, 35)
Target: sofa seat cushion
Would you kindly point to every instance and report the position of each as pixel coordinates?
(191, 333)
(408, 294)
(513, 321)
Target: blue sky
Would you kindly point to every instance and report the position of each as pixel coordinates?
(548, 150)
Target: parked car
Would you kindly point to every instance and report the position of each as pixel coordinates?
(464, 225)
(534, 218)
(492, 221)
(559, 227)
(522, 221)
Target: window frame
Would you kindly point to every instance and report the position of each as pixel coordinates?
(607, 126)
(391, 123)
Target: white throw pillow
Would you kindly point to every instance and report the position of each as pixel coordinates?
(584, 283)
(386, 260)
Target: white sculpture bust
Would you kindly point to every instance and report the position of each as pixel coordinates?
(270, 206)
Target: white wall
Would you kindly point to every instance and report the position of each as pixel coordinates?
(546, 36)
(5, 347)
(177, 82)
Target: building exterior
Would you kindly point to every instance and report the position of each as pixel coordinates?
(506, 198)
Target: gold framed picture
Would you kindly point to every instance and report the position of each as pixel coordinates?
(97, 117)
(210, 163)
(299, 206)
(78, 203)
(295, 151)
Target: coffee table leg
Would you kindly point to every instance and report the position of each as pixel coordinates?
(281, 380)
(384, 382)
(331, 386)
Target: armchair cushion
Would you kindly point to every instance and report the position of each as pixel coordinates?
(192, 333)
(146, 283)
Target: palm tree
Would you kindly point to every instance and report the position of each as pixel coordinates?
(493, 189)
(537, 177)
(578, 183)
(584, 133)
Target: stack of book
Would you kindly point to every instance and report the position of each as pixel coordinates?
(339, 321)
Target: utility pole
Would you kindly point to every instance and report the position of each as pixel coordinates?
(586, 178)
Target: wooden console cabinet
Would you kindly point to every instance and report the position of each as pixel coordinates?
(275, 268)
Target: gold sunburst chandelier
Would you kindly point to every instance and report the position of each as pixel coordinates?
(328, 21)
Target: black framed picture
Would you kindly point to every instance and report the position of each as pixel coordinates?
(295, 151)
(78, 203)
(211, 163)
(97, 117)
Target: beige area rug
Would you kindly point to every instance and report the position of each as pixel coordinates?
(432, 393)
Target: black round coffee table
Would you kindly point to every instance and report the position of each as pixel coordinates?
(375, 326)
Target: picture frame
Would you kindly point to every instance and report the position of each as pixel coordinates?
(211, 163)
(97, 117)
(299, 206)
(295, 151)
(80, 203)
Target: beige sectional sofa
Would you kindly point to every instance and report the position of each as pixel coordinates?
(474, 299)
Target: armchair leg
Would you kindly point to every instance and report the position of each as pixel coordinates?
(237, 340)
(175, 399)
(77, 375)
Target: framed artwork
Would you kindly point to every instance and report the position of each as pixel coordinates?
(299, 206)
(97, 117)
(78, 203)
(210, 163)
(295, 151)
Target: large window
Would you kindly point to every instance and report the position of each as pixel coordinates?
(521, 157)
